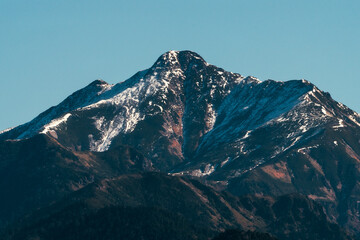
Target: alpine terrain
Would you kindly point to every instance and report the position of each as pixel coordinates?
(184, 150)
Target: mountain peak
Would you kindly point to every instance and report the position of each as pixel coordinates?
(184, 53)
(178, 59)
(97, 82)
(186, 117)
(251, 79)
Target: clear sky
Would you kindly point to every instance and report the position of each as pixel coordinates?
(49, 49)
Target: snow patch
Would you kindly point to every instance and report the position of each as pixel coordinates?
(7, 130)
(342, 106)
(324, 111)
(247, 134)
(208, 170)
(225, 162)
(303, 128)
(282, 119)
(305, 150)
(293, 143)
(354, 120)
(341, 124)
(210, 117)
(55, 123)
(127, 106)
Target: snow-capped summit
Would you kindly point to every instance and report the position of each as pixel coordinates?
(192, 106)
(179, 87)
(98, 82)
(176, 58)
(188, 117)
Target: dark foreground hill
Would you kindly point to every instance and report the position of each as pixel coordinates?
(158, 206)
(243, 235)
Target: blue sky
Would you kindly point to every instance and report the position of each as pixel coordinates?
(49, 49)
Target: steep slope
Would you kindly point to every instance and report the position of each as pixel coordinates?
(158, 206)
(284, 137)
(312, 148)
(183, 110)
(325, 168)
(162, 111)
(187, 117)
(257, 122)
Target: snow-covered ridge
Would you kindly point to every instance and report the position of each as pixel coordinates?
(127, 103)
(155, 82)
(91, 93)
(7, 130)
(253, 106)
(245, 105)
(126, 96)
(54, 123)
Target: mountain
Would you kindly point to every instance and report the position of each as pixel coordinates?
(186, 117)
(163, 111)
